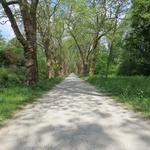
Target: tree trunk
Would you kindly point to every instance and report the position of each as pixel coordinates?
(91, 71)
(92, 64)
(83, 68)
(28, 14)
(31, 65)
(63, 69)
(50, 70)
(78, 68)
(50, 73)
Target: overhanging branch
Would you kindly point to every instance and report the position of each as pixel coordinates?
(12, 2)
(13, 22)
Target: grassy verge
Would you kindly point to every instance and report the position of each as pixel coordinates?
(133, 91)
(13, 97)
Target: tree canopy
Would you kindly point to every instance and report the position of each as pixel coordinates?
(83, 36)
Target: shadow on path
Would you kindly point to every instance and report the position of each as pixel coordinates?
(74, 116)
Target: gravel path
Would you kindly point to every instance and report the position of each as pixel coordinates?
(74, 116)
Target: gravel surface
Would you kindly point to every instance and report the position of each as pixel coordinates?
(74, 116)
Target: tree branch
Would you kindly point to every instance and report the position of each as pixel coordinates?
(12, 2)
(13, 22)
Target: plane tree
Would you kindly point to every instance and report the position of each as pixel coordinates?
(26, 14)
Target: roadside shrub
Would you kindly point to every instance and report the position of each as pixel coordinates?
(9, 76)
(8, 57)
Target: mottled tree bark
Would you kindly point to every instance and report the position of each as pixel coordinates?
(28, 14)
(50, 70)
(31, 65)
(92, 65)
(63, 69)
(83, 68)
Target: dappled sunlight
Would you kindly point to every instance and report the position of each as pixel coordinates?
(72, 117)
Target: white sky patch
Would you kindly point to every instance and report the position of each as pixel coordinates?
(7, 31)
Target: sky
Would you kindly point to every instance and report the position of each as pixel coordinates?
(7, 31)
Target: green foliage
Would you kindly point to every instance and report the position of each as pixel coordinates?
(136, 57)
(11, 64)
(11, 54)
(2, 41)
(133, 91)
(9, 57)
(14, 96)
(101, 62)
(13, 92)
(100, 66)
(10, 76)
(42, 64)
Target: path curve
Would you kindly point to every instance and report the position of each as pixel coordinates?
(74, 116)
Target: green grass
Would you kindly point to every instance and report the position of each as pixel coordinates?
(15, 96)
(133, 91)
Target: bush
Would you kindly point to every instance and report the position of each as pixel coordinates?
(9, 76)
(9, 57)
(136, 55)
(132, 65)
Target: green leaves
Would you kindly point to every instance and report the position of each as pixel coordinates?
(137, 54)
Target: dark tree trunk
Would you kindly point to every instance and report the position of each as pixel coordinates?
(83, 68)
(50, 69)
(31, 65)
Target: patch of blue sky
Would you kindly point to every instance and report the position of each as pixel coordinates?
(7, 31)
